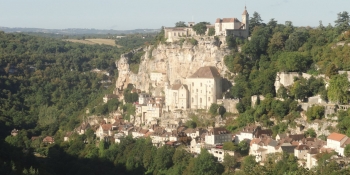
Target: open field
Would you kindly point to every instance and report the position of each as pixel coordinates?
(110, 42)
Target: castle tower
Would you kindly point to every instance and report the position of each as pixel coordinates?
(245, 20)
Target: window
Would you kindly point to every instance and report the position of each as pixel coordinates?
(196, 90)
(208, 98)
(200, 100)
(192, 100)
(201, 84)
(192, 84)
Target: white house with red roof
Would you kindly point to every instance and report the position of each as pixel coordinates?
(337, 142)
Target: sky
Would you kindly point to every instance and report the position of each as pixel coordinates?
(152, 14)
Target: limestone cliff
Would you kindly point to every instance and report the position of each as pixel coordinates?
(176, 61)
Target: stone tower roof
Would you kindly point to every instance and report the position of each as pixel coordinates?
(206, 72)
(245, 12)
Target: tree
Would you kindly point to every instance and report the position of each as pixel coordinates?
(338, 89)
(292, 62)
(200, 28)
(213, 110)
(343, 21)
(347, 150)
(315, 112)
(230, 162)
(248, 164)
(205, 164)
(180, 24)
(230, 146)
(211, 32)
(254, 21)
(310, 133)
(276, 43)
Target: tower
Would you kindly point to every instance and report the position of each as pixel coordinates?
(245, 20)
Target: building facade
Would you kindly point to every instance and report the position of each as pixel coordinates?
(205, 87)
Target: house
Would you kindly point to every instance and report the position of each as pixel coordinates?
(219, 153)
(218, 136)
(104, 130)
(261, 147)
(108, 97)
(152, 111)
(311, 160)
(251, 131)
(205, 87)
(48, 140)
(144, 98)
(83, 128)
(196, 145)
(194, 133)
(301, 151)
(118, 137)
(14, 132)
(67, 136)
(138, 132)
(337, 142)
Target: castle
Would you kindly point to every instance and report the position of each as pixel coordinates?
(222, 26)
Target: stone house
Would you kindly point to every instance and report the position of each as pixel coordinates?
(219, 153)
(104, 130)
(250, 132)
(138, 132)
(194, 132)
(301, 151)
(205, 87)
(48, 140)
(157, 78)
(261, 147)
(67, 136)
(217, 136)
(152, 111)
(176, 97)
(196, 145)
(82, 128)
(14, 132)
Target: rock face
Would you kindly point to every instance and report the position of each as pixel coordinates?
(174, 60)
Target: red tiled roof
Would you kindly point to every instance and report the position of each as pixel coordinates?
(106, 127)
(336, 136)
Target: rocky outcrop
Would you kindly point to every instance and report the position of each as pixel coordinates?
(176, 61)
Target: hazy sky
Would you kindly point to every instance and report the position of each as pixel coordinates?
(151, 14)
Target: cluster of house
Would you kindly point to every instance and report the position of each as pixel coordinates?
(262, 145)
(222, 27)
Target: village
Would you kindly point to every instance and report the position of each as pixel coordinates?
(163, 114)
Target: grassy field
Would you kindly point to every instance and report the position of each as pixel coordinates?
(110, 42)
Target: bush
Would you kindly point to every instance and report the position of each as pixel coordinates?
(315, 112)
(193, 41)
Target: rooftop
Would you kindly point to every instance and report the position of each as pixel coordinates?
(336, 136)
(206, 72)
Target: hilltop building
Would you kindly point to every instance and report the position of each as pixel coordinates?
(222, 26)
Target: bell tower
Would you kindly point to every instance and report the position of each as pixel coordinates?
(245, 20)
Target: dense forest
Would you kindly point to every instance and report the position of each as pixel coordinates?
(47, 84)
